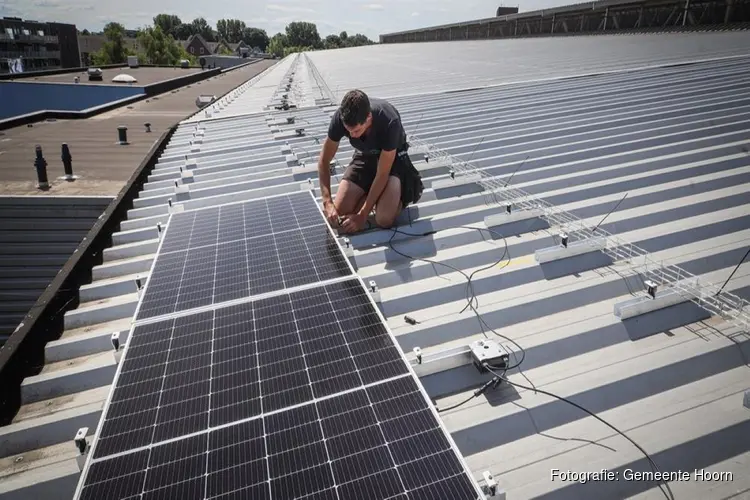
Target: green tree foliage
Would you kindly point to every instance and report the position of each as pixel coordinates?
(169, 24)
(183, 31)
(201, 27)
(113, 50)
(254, 37)
(332, 42)
(161, 48)
(231, 30)
(277, 44)
(343, 40)
(303, 34)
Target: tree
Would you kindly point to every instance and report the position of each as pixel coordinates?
(343, 36)
(161, 48)
(85, 32)
(332, 42)
(230, 30)
(168, 23)
(201, 27)
(113, 50)
(183, 31)
(303, 34)
(255, 37)
(277, 44)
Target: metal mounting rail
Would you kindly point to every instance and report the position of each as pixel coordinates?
(284, 80)
(706, 295)
(323, 89)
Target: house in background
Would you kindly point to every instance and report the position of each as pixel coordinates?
(197, 46)
(88, 44)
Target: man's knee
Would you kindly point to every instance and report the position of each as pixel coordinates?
(385, 220)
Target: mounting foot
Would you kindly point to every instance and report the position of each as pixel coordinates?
(573, 249)
(508, 217)
(662, 298)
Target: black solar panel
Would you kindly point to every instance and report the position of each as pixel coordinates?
(206, 275)
(241, 220)
(183, 375)
(378, 442)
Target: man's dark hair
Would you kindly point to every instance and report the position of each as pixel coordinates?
(355, 106)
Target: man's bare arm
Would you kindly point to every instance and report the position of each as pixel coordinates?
(385, 162)
(324, 173)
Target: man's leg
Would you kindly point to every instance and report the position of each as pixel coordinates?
(389, 206)
(349, 198)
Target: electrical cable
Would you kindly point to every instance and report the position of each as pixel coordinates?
(735, 270)
(655, 468)
(608, 213)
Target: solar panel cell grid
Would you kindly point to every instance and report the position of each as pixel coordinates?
(379, 442)
(182, 375)
(210, 275)
(239, 221)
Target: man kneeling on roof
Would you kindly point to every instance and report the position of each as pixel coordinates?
(380, 175)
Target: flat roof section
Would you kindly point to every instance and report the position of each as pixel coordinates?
(145, 76)
(102, 164)
(391, 70)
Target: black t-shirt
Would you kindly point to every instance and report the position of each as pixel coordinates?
(385, 134)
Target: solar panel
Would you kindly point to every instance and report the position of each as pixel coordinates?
(241, 262)
(205, 227)
(376, 442)
(185, 374)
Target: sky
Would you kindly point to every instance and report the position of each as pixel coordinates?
(369, 17)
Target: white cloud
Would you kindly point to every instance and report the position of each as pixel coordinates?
(373, 6)
(414, 14)
(288, 8)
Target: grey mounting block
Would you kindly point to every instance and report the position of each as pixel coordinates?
(663, 298)
(459, 180)
(580, 247)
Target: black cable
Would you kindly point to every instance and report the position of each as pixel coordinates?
(735, 270)
(608, 213)
(483, 324)
(654, 467)
(516, 170)
(493, 382)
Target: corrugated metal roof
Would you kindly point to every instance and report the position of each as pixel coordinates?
(404, 69)
(674, 139)
(37, 236)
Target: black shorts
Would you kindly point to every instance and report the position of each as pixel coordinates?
(362, 169)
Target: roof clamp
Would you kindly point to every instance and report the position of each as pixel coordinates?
(348, 248)
(139, 285)
(374, 291)
(418, 354)
(299, 131)
(564, 240)
(83, 446)
(116, 344)
(452, 173)
(651, 288)
(158, 229)
(490, 487)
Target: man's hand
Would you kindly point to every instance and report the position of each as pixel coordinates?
(332, 215)
(354, 223)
